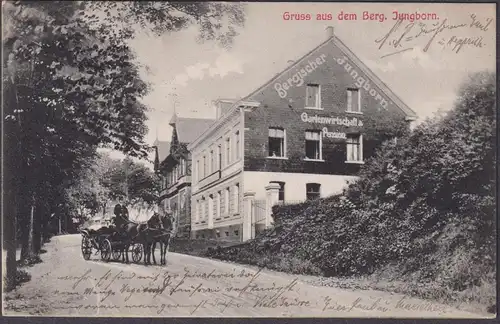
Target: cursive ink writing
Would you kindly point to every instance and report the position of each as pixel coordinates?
(401, 35)
(477, 24)
(458, 42)
(77, 279)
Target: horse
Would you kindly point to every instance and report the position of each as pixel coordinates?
(163, 239)
(148, 236)
(129, 231)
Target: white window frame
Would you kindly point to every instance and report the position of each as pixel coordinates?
(349, 148)
(210, 207)
(226, 201)
(197, 211)
(219, 205)
(228, 150)
(349, 94)
(320, 146)
(318, 99)
(198, 174)
(319, 191)
(237, 142)
(212, 161)
(219, 158)
(236, 197)
(284, 144)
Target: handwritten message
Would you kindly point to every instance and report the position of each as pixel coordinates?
(195, 293)
(403, 36)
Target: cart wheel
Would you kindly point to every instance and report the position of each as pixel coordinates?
(116, 255)
(86, 247)
(106, 250)
(137, 253)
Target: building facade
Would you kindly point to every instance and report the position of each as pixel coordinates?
(175, 171)
(304, 135)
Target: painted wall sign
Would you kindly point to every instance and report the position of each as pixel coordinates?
(346, 121)
(298, 78)
(328, 134)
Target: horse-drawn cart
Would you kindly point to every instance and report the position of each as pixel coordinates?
(123, 236)
(111, 243)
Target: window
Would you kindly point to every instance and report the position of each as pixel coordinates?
(313, 145)
(210, 207)
(354, 148)
(313, 96)
(205, 171)
(226, 201)
(202, 209)
(198, 170)
(218, 205)
(212, 162)
(277, 142)
(236, 193)
(198, 211)
(182, 199)
(313, 191)
(237, 144)
(228, 151)
(281, 195)
(353, 100)
(219, 154)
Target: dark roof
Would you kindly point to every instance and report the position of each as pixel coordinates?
(189, 129)
(163, 149)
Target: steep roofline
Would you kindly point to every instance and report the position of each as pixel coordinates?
(374, 78)
(362, 66)
(291, 66)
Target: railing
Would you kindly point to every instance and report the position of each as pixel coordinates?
(290, 202)
(259, 211)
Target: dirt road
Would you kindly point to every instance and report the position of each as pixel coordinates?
(66, 284)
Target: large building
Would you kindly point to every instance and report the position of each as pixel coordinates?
(302, 135)
(174, 166)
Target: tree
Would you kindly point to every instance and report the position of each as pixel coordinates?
(71, 85)
(131, 181)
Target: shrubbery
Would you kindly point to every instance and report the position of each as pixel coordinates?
(423, 208)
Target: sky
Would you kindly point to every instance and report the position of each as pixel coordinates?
(188, 75)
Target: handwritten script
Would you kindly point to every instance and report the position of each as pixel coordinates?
(403, 36)
(208, 293)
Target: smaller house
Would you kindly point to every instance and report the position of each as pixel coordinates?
(173, 164)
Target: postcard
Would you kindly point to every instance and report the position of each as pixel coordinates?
(225, 159)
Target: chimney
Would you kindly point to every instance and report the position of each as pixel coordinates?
(222, 106)
(329, 32)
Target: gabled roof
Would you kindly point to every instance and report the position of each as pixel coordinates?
(350, 55)
(189, 129)
(163, 149)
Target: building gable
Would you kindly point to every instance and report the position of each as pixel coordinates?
(333, 63)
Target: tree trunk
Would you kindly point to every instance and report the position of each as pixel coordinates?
(25, 227)
(31, 237)
(9, 226)
(27, 249)
(37, 228)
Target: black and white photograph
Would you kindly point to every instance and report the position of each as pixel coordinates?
(249, 159)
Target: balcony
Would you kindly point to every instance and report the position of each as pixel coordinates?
(173, 187)
(209, 179)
